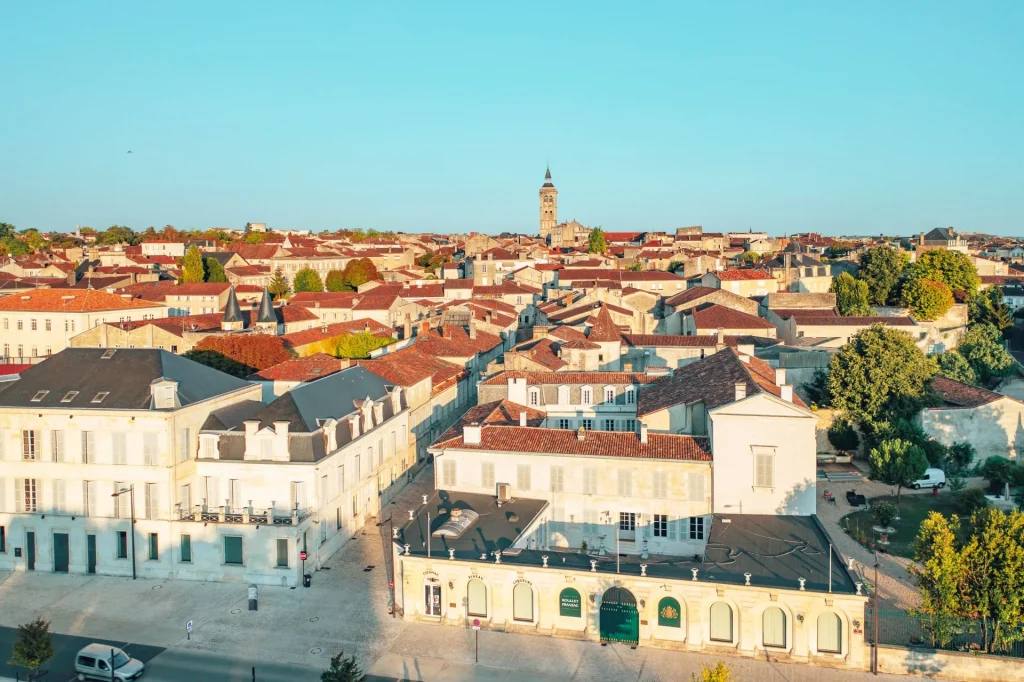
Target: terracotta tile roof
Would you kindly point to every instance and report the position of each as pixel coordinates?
(302, 369)
(956, 394)
(711, 381)
(408, 366)
(250, 270)
(627, 445)
(811, 319)
(503, 412)
(622, 236)
(567, 333)
(543, 352)
(375, 302)
(541, 378)
(736, 275)
(786, 313)
(714, 316)
(691, 294)
(326, 299)
(454, 342)
(506, 288)
(458, 283)
(695, 341)
(66, 300)
(579, 344)
(604, 328)
(315, 334)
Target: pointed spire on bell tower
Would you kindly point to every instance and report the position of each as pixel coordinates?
(232, 320)
(548, 206)
(266, 317)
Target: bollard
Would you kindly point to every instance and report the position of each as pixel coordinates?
(253, 598)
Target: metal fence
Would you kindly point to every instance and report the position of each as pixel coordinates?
(899, 628)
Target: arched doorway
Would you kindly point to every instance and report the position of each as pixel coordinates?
(620, 621)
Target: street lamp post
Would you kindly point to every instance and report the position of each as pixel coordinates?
(131, 493)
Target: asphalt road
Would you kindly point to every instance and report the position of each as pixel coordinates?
(162, 665)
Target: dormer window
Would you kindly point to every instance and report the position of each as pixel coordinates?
(534, 397)
(586, 395)
(630, 395)
(69, 396)
(609, 394)
(98, 398)
(39, 396)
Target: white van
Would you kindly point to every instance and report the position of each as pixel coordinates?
(94, 663)
(933, 478)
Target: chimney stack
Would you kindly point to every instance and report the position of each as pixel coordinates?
(522, 417)
(472, 329)
(471, 434)
(780, 376)
(643, 432)
(581, 434)
(787, 392)
(741, 390)
(721, 336)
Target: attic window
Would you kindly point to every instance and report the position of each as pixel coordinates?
(39, 396)
(316, 370)
(107, 355)
(100, 396)
(69, 396)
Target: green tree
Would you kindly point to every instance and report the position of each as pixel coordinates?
(336, 281)
(7, 230)
(939, 574)
(118, 234)
(880, 371)
(720, 672)
(959, 458)
(308, 279)
(215, 271)
(927, 299)
(343, 670)
(279, 286)
(955, 366)
(353, 346)
(993, 577)
(952, 268)
(255, 237)
(881, 267)
(897, 462)
(750, 257)
(193, 269)
(13, 246)
(987, 307)
(34, 646)
(843, 436)
(636, 266)
(981, 345)
(851, 295)
(596, 241)
(360, 271)
(817, 389)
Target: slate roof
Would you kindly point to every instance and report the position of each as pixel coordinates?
(956, 394)
(332, 396)
(622, 444)
(125, 377)
(711, 381)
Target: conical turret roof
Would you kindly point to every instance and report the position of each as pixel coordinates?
(266, 313)
(232, 311)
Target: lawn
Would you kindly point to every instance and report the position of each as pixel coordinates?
(913, 510)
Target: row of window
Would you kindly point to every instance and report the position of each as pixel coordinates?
(556, 480)
(20, 351)
(56, 450)
(586, 395)
(626, 425)
(29, 497)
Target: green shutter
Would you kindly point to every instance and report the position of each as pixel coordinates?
(186, 548)
(669, 613)
(233, 550)
(570, 604)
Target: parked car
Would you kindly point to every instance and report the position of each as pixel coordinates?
(933, 478)
(94, 663)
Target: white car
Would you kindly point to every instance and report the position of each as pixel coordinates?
(95, 661)
(933, 478)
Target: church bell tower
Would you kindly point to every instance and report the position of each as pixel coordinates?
(548, 207)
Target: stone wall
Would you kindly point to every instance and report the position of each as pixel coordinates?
(947, 665)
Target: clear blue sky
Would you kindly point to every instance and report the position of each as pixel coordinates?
(786, 116)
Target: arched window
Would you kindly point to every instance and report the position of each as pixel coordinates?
(669, 613)
(774, 627)
(522, 602)
(830, 637)
(476, 594)
(721, 622)
(569, 603)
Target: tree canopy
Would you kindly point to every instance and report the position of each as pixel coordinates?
(343, 670)
(118, 234)
(897, 462)
(279, 286)
(354, 346)
(359, 271)
(881, 268)
(927, 299)
(33, 647)
(987, 307)
(977, 577)
(240, 355)
(215, 271)
(596, 243)
(880, 371)
(336, 281)
(851, 295)
(308, 279)
(952, 268)
(981, 345)
(193, 268)
(955, 366)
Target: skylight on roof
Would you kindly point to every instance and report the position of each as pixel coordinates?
(315, 370)
(108, 354)
(69, 396)
(457, 523)
(39, 396)
(100, 396)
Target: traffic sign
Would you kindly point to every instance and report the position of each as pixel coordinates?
(188, 626)
(302, 555)
(476, 623)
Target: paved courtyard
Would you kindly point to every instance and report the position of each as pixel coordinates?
(346, 610)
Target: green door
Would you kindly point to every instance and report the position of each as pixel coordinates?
(90, 541)
(620, 621)
(30, 550)
(61, 553)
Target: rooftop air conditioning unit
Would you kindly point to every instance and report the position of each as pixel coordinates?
(504, 492)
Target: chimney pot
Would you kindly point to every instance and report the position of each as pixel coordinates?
(522, 417)
(643, 432)
(721, 336)
(780, 376)
(741, 390)
(787, 392)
